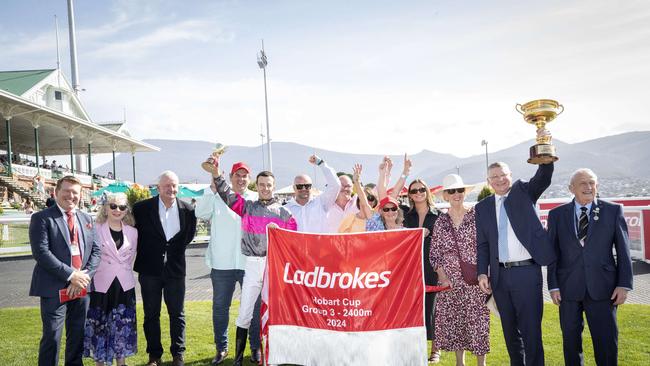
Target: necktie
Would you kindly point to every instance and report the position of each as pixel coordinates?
(583, 225)
(74, 241)
(503, 231)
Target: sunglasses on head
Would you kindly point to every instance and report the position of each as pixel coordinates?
(454, 190)
(417, 190)
(370, 198)
(303, 186)
(388, 209)
(115, 206)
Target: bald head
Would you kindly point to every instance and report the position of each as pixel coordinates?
(302, 188)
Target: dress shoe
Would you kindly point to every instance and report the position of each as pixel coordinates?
(178, 361)
(256, 356)
(154, 361)
(221, 355)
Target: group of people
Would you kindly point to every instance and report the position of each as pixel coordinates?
(495, 248)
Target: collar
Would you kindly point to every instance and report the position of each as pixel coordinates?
(161, 205)
(588, 206)
(63, 212)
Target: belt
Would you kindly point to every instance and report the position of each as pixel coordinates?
(526, 262)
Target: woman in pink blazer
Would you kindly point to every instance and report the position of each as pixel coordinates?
(111, 331)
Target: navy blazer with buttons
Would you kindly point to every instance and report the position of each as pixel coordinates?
(591, 268)
(50, 241)
(520, 207)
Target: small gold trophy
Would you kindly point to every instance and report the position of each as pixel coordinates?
(209, 165)
(539, 113)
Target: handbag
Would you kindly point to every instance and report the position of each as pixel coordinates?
(469, 271)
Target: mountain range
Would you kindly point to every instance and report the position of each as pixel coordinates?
(620, 161)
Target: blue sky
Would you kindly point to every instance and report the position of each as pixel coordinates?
(354, 76)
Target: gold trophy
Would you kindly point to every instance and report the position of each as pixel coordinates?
(209, 165)
(539, 113)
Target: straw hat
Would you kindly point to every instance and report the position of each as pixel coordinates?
(452, 181)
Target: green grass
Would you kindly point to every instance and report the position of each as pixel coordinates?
(20, 331)
(18, 235)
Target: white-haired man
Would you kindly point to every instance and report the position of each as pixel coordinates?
(586, 278)
(166, 225)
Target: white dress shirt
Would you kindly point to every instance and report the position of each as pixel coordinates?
(169, 219)
(516, 250)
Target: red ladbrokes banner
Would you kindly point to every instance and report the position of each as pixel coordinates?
(345, 299)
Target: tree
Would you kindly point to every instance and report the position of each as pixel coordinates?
(487, 191)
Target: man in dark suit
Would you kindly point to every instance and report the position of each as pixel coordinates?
(586, 277)
(166, 225)
(513, 245)
(67, 256)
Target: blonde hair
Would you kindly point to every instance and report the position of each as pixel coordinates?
(429, 196)
(102, 214)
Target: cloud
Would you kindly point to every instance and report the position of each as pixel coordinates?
(185, 31)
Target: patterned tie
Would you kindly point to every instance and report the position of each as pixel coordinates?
(583, 225)
(74, 240)
(503, 231)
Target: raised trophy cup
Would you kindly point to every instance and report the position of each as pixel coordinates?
(211, 165)
(539, 113)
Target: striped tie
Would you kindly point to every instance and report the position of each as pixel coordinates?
(583, 224)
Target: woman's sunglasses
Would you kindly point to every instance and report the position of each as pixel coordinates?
(454, 190)
(417, 190)
(370, 198)
(115, 206)
(388, 209)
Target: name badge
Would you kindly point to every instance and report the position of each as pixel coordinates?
(74, 250)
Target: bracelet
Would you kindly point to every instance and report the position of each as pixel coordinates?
(404, 176)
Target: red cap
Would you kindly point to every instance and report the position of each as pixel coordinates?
(240, 165)
(386, 200)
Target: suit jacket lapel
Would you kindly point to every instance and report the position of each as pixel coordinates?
(155, 216)
(492, 214)
(572, 222)
(107, 239)
(181, 215)
(63, 227)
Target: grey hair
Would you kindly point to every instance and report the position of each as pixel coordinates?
(167, 174)
(499, 164)
(582, 171)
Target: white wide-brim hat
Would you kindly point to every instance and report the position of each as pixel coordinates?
(452, 181)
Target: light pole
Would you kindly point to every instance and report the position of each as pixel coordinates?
(485, 143)
(262, 62)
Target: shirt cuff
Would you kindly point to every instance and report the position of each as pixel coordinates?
(553, 289)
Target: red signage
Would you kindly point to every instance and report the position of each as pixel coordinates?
(329, 292)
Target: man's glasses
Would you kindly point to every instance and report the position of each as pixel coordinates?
(454, 190)
(388, 209)
(115, 206)
(417, 190)
(303, 186)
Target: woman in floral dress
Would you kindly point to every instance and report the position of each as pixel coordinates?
(111, 328)
(462, 319)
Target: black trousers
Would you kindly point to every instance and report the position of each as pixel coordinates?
(53, 316)
(154, 288)
(429, 314)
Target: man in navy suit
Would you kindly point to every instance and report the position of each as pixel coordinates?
(586, 277)
(512, 246)
(67, 256)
